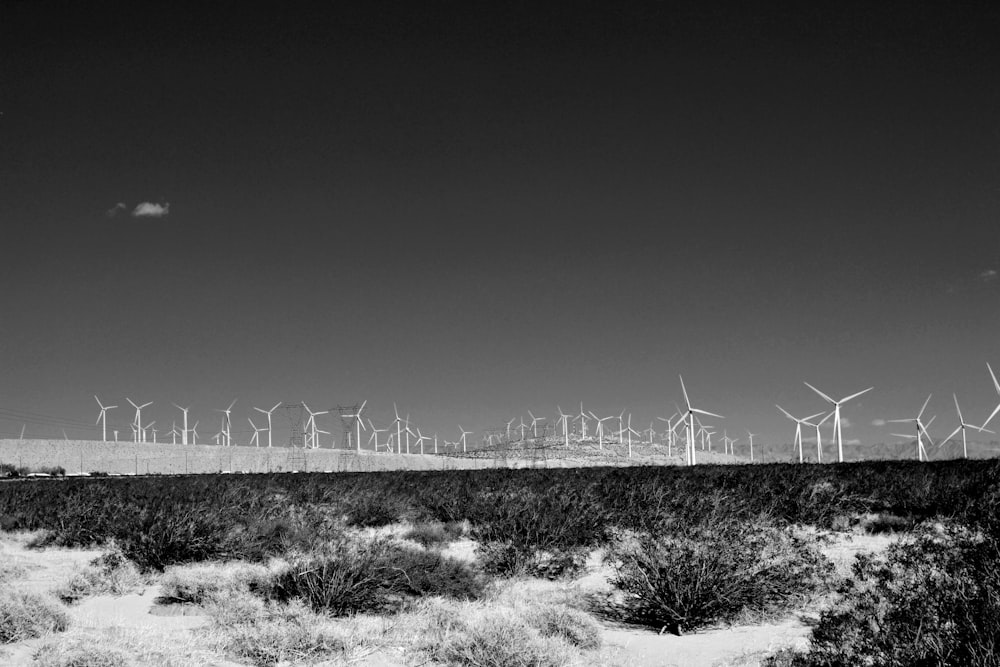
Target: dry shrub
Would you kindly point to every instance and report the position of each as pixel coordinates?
(111, 573)
(697, 576)
(25, 615)
(192, 584)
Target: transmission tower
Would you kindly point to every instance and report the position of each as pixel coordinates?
(349, 421)
(295, 413)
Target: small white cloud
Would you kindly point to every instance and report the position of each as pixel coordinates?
(989, 275)
(116, 209)
(878, 422)
(150, 210)
(845, 422)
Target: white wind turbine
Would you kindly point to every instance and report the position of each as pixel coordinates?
(184, 431)
(631, 431)
(564, 419)
(962, 426)
(227, 424)
(138, 416)
(360, 424)
(751, 445)
(921, 429)
(194, 432)
(996, 385)
(311, 425)
(534, 423)
(512, 420)
(173, 433)
(420, 440)
(651, 432)
(151, 426)
(256, 432)
(819, 437)
(582, 417)
(600, 428)
(836, 416)
(798, 428)
(103, 418)
(465, 433)
(374, 433)
(399, 429)
(691, 411)
(671, 431)
(264, 412)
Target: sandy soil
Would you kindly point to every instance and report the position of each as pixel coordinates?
(741, 645)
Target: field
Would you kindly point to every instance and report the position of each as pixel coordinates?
(707, 565)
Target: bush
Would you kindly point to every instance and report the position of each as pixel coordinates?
(267, 633)
(430, 534)
(372, 576)
(24, 615)
(508, 559)
(110, 573)
(194, 584)
(570, 625)
(374, 509)
(932, 600)
(490, 638)
(699, 576)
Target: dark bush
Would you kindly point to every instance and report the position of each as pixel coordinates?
(933, 600)
(697, 576)
(373, 509)
(431, 534)
(376, 575)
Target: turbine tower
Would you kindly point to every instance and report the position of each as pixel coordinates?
(600, 428)
(751, 444)
(360, 424)
(184, 431)
(819, 438)
(962, 426)
(798, 428)
(227, 425)
(921, 429)
(138, 416)
(265, 412)
(836, 416)
(564, 418)
(691, 411)
(103, 418)
(464, 433)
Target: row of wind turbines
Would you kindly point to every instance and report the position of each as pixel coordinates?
(402, 436)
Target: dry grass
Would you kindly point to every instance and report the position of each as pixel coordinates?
(26, 615)
(108, 574)
(125, 647)
(194, 584)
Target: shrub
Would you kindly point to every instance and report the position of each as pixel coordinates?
(270, 633)
(570, 625)
(699, 576)
(932, 600)
(431, 534)
(80, 654)
(491, 638)
(374, 509)
(110, 573)
(193, 584)
(24, 615)
(375, 575)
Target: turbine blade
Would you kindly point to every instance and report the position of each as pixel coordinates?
(993, 375)
(785, 411)
(845, 400)
(684, 389)
(958, 409)
(921, 413)
(825, 397)
(953, 434)
(706, 413)
(992, 415)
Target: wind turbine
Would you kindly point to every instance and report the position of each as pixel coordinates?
(996, 385)
(522, 427)
(103, 418)
(420, 440)
(600, 429)
(374, 433)
(798, 428)
(173, 433)
(151, 426)
(227, 424)
(671, 432)
(311, 424)
(631, 432)
(399, 431)
(138, 415)
(465, 433)
(751, 445)
(921, 429)
(691, 411)
(194, 432)
(534, 424)
(651, 432)
(836, 415)
(583, 422)
(360, 424)
(962, 426)
(819, 437)
(265, 412)
(564, 418)
(184, 432)
(256, 432)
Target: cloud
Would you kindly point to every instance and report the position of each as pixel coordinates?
(878, 422)
(116, 209)
(852, 442)
(989, 275)
(845, 422)
(150, 210)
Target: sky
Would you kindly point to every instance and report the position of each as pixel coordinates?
(475, 210)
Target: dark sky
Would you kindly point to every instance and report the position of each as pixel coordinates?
(476, 209)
